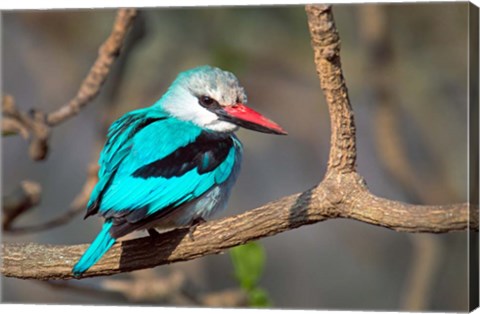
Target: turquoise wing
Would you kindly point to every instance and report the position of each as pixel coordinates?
(162, 165)
(117, 147)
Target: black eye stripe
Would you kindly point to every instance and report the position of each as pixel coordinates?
(209, 103)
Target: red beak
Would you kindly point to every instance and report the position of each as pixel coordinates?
(248, 118)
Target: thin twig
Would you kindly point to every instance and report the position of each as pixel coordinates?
(26, 196)
(79, 203)
(29, 125)
(146, 286)
(97, 75)
(12, 119)
(78, 206)
(37, 125)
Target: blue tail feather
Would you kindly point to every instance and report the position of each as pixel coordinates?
(102, 243)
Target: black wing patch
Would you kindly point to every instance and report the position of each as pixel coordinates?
(206, 153)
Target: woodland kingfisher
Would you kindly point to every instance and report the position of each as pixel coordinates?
(174, 163)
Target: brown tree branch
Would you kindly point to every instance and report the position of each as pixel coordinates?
(24, 197)
(76, 207)
(37, 125)
(31, 126)
(326, 47)
(344, 197)
(341, 194)
(12, 122)
(97, 75)
(392, 151)
(174, 288)
(147, 286)
(79, 203)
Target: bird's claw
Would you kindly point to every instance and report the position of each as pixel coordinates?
(197, 221)
(153, 232)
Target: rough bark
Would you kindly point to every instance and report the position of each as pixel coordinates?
(341, 194)
(338, 196)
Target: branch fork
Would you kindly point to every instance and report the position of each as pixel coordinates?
(36, 126)
(341, 194)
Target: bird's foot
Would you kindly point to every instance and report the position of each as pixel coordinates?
(152, 232)
(197, 221)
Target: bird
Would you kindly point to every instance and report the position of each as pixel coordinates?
(172, 164)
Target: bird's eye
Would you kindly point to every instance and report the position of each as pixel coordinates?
(207, 101)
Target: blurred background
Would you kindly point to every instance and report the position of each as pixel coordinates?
(406, 70)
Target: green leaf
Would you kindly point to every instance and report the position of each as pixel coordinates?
(259, 298)
(248, 263)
